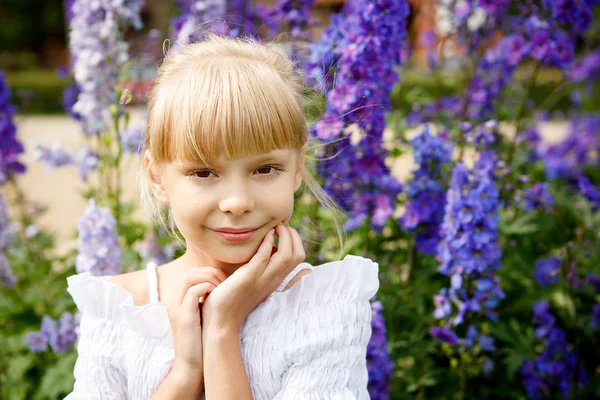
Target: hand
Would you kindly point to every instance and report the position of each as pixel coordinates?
(185, 317)
(229, 304)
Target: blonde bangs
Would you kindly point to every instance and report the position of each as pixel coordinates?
(231, 106)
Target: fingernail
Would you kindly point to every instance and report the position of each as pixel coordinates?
(272, 231)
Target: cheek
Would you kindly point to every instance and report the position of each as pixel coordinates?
(280, 205)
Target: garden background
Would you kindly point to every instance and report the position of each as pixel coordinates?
(466, 146)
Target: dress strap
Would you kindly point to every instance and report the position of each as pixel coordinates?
(291, 275)
(152, 282)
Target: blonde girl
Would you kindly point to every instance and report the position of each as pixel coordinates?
(234, 317)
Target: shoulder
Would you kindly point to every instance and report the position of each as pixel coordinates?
(103, 296)
(136, 283)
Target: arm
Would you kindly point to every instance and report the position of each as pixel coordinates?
(180, 385)
(225, 375)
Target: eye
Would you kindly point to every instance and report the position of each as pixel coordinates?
(203, 175)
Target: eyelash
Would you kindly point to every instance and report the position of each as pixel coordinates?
(278, 171)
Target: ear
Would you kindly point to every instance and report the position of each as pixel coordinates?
(156, 182)
(299, 169)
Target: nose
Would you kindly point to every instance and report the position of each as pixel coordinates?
(237, 199)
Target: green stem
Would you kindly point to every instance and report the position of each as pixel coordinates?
(117, 186)
(463, 380)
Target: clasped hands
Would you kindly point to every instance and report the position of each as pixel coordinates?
(230, 303)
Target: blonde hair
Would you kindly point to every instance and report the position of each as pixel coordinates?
(230, 95)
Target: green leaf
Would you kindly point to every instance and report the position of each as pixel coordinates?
(58, 380)
(523, 225)
(565, 302)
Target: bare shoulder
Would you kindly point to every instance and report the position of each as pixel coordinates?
(136, 283)
(297, 278)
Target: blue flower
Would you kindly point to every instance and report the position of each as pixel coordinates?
(444, 335)
(99, 251)
(10, 146)
(37, 342)
(355, 175)
(8, 279)
(547, 271)
(379, 365)
(425, 205)
(538, 196)
(100, 54)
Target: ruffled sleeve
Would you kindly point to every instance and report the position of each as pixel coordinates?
(97, 374)
(327, 356)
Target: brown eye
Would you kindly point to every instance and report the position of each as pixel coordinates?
(265, 168)
(198, 173)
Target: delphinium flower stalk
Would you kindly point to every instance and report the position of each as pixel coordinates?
(98, 244)
(8, 280)
(355, 175)
(425, 192)
(469, 254)
(545, 34)
(553, 370)
(11, 147)
(379, 365)
(99, 55)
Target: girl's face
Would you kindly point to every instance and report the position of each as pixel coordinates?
(250, 192)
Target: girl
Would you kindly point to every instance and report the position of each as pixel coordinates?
(234, 317)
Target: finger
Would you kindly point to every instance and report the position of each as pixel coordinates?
(298, 252)
(263, 254)
(193, 277)
(192, 297)
(282, 258)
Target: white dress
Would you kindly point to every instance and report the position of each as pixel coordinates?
(306, 343)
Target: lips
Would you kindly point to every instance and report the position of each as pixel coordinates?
(235, 230)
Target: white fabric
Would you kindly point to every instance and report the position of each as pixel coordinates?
(307, 343)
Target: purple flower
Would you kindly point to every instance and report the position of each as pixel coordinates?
(553, 369)
(537, 196)
(425, 205)
(356, 176)
(59, 335)
(53, 157)
(37, 342)
(469, 251)
(291, 16)
(10, 146)
(86, 161)
(194, 13)
(444, 335)
(151, 251)
(547, 271)
(8, 280)
(586, 68)
(379, 365)
(100, 53)
(7, 277)
(99, 251)
(132, 140)
(589, 191)
(574, 14)
(70, 95)
(595, 319)
(580, 148)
